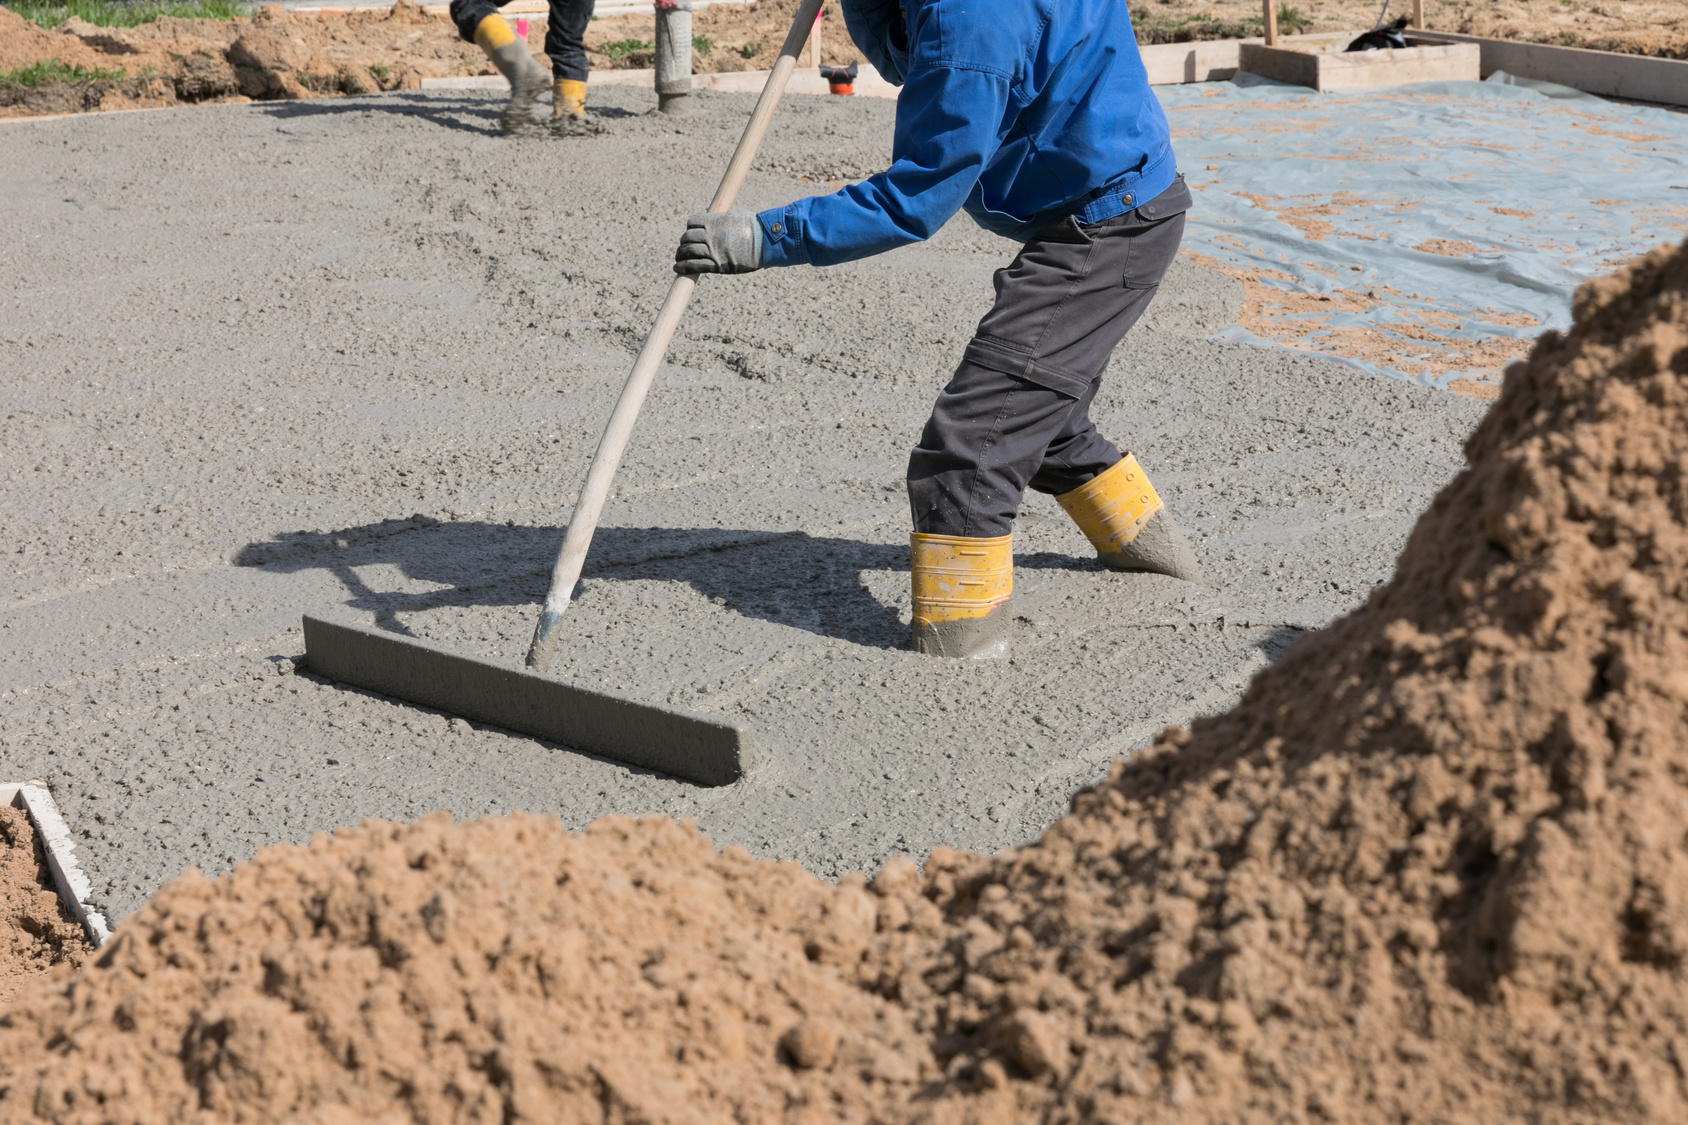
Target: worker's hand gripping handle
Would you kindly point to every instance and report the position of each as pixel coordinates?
(590, 506)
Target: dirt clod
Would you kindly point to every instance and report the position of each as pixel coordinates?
(811, 1045)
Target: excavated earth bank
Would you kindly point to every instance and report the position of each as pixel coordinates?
(1430, 869)
(37, 933)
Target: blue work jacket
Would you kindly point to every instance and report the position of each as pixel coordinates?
(1022, 112)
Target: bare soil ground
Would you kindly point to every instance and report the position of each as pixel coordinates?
(274, 55)
(283, 55)
(1634, 27)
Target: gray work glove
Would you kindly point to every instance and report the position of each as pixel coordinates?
(720, 242)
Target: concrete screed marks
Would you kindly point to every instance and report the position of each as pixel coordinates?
(356, 353)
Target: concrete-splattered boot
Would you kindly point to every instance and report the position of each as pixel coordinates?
(961, 590)
(1123, 517)
(568, 101)
(516, 63)
(568, 110)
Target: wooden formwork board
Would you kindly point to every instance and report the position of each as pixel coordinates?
(73, 886)
(1613, 75)
(1217, 60)
(1335, 69)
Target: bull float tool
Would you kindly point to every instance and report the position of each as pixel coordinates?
(700, 748)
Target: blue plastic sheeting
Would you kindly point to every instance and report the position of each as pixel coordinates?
(1424, 232)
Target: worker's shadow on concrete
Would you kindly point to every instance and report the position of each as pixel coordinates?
(469, 115)
(449, 111)
(790, 578)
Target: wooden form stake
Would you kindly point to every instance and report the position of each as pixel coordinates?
(1270, 18)
(1418, 13)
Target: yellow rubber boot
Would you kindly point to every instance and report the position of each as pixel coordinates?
(568, 99)
(961, 591)
(1125, 520)
(515, 62)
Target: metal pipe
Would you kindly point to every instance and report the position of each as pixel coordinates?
(673, 55)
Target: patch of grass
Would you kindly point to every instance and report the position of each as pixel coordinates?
(52, 70)
(1292, 22)
(119, 13)
(621, 48)
(380, 72)
(753, 48)
(702, 44)
(1200, 27)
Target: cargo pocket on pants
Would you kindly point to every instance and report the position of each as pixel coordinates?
(1151, 251)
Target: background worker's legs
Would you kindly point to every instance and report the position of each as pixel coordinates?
(565, 45)
(478, 22)
(565, 38)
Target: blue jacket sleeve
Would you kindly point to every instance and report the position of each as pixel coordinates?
(947, 130)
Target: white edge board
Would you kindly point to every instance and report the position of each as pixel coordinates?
(73, 886)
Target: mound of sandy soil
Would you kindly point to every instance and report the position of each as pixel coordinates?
(1432, 868)
(37, 933)
(488, 971)
(273, 55)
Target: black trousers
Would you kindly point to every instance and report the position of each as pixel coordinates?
(1016, 415)
(565, 31)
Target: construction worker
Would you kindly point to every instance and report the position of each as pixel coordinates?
(1036, 117)
(478, 22)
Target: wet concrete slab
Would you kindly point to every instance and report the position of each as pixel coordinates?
(353, 356)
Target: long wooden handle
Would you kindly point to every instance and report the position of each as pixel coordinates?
(584, 522)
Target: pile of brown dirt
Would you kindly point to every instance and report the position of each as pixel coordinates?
(1432, 868)
(37, 933)
(274, 55)
(492, 971)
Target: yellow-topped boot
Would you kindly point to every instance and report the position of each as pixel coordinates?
(1124, 518)
(568, 100)
(516, 63)
(961, 591)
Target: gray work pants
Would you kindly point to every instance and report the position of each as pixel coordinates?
(565, 31)
(1017, 412)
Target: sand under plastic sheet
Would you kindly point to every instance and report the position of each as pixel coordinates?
(1428, 232)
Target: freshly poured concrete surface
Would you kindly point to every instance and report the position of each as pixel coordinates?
(269, 360)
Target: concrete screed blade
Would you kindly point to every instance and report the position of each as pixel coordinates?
(694, 747)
